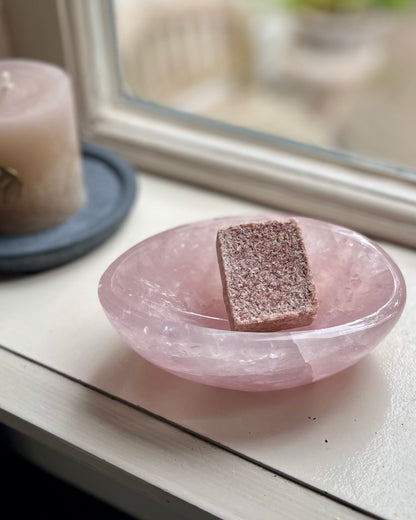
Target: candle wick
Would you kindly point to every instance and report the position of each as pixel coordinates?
(5, 82)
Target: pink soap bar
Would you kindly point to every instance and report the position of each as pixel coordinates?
(266, 278)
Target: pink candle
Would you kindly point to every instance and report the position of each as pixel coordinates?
(41, 181)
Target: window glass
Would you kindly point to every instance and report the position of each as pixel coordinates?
(339, 74)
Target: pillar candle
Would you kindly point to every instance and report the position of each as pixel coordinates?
(41, 180)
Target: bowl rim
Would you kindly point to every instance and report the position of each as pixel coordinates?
(392, 307)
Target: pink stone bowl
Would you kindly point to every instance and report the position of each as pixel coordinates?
(164, 297)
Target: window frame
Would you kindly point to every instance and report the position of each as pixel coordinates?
(373, 197)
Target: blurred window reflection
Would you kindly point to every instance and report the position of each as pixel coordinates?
(335, 73)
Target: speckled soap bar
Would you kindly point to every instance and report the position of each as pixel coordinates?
(266, 278)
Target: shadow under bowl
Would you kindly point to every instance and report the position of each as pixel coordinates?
(164, 298)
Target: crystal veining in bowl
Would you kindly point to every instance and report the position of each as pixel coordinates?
(164, 297)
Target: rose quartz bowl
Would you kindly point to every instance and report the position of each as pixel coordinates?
(164, 297)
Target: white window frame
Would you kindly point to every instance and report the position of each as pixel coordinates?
(373, 197)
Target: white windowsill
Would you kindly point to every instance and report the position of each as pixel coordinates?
(74, 338)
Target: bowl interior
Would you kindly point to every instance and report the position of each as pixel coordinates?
(175, 275)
